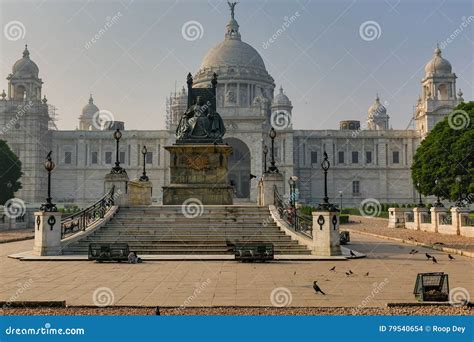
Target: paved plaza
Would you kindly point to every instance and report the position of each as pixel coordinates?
(392, 272)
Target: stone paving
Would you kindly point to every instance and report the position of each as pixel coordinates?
(392, 270)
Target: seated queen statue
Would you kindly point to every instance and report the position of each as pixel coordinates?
(200, 123)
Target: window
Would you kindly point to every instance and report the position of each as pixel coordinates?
(396, 157)
(355, 157)
(108, 157)
(67, 157)
(314, 157)
(368, 157)
(149, 158)
(355, 188)
(340, 157)
(94, 157)
(122, 157)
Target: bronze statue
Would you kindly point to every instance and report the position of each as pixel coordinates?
(232, 8)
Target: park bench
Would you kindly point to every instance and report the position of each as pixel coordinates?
(255, 251)
(108, 252)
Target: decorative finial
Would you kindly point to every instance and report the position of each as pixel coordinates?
(460, 95)
(377, 98)
(281, 89)
(4, 95)
(26, 53)
(45, 100)
(232, 8)
(437, 50)
(91, 100)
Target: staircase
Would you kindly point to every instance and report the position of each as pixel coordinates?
(165, 230)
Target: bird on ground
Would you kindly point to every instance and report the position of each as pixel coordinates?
(333, 268)
(428, 256)
(415, 252)
(412, 251)
(434, 260)
(348, 274)
(367, 274)
(294, 273)
(352, 253)
(317, 288)
(351, 272)
(451, 257)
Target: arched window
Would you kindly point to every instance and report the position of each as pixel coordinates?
(442, 92)
(20, 93)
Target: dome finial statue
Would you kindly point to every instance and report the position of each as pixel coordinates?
(232, 8)
(26, 53)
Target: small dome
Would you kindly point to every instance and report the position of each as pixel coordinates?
(438, 65)
(377, 109)
(25, 67)
(90, 109)
(281, 99)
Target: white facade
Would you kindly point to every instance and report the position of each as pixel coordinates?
(368, 163)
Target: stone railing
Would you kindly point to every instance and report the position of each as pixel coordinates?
(454, 221)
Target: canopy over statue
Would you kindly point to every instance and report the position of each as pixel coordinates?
(200, 124)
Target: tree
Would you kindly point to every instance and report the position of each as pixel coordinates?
(10, 172)
(447, 155)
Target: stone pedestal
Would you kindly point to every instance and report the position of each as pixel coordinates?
(326, 239)
(120, 181)
(417, 212)
(47, 233)
(139, 193)
(198, 172)
(435, 217)
(268, 182)
(396, 218)
(456, 214)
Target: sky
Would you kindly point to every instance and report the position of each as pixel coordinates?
(330, 66)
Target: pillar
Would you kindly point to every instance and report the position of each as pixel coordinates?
(326, 239)
(47, 233)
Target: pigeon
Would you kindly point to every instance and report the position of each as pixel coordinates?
(294, 273)
(415, 252)
(428, 256)
(352, 253)
(317, 288)
(412, 251)
(367, 274)
(434, 260)
(157, 311)
(451, 257)
(350, 272)
(333, 268)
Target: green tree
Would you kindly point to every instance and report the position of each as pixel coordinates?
(447, 155)
(10, 172)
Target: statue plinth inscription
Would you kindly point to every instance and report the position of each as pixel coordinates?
(199, 159)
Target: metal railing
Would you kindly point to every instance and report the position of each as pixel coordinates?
(426, 218)
(409, 217)
(297, 222)
(466, 220)
(83, 219)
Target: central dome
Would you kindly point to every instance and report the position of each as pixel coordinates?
(233, 53)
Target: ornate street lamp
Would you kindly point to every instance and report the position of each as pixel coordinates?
(117, 168)
(340, 198)
(272, 136)
(325, 165)
(265, 152)
(144, 177)
(420, 202)
(438, 202)
(292, 183)
(49, 166)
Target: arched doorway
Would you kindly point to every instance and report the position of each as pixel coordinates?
(239, 167)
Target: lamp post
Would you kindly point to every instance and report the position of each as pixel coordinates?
(292, 183)
(272, 136)
(117, 168)
(459, 201)
(325, 165)
(265, 152)
(49, 166)
(340, 198)
(420, 202)
(144, 177)
(438, 202)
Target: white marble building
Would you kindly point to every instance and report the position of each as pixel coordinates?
(368, 161)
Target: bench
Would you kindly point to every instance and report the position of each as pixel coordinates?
(344, 237)
(108, 252)
(255, 251)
